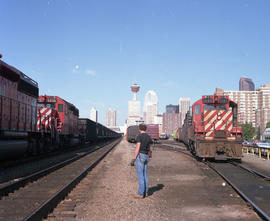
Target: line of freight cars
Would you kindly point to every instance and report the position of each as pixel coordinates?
(30, 124)
(210, 129)
(152, 130)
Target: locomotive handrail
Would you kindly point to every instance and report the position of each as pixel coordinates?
(29, 79)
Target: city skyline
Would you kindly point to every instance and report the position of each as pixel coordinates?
(90, 52)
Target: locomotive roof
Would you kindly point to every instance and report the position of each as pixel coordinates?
(72, 106)
(215, 96)
(14, 74)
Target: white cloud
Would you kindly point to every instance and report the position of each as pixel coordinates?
(76, 68)
(90, 72)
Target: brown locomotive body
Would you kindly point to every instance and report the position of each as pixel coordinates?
(18, 110)
(210, 129)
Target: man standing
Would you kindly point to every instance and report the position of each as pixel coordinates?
(141, 156)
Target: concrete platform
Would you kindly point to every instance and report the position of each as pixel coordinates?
(181, 188)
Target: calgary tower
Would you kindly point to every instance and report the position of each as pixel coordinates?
(135, 88)
(134, 107)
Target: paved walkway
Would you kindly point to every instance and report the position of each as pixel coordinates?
(181, 189)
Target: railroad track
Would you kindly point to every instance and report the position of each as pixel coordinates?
(34, 197)
(175, 147)
(44, 155)
(10, 186)
(251, 185)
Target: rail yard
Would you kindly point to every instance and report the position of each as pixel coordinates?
(181, 188)
(58, 166)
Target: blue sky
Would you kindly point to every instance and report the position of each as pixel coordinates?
(90, 52)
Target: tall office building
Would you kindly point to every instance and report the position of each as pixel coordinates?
(172, 108)
(134, 107)
(246, 84)
(263, 111)
(252, 106)
(171, 121)
(111, 118)
(93, 114)
(150, 107)
(247, 104)
(184, 104)
(158, 119)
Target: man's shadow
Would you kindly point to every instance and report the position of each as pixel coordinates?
(153, 189)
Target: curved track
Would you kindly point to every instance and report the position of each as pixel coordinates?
(250, 184)
(35, 200)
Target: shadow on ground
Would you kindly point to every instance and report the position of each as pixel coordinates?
(153, 189)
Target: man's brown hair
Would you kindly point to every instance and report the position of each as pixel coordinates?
(142, 127)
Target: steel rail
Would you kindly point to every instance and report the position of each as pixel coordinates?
(21, 182)
(252, 171)
(43, 210)
(260, 212)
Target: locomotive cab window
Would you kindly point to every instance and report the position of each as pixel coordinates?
(208, 107)
(50, 105)
(60, 107)
(197, 109)
(40, 105)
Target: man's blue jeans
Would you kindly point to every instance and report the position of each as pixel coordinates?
(141, 168)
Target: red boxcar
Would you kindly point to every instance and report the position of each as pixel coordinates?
(153, 131)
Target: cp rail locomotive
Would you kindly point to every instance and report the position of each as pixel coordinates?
(30, 124)
(210, 129)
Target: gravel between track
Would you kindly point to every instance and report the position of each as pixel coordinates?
(182, 189)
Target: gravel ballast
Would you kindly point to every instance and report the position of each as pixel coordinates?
(181, 188)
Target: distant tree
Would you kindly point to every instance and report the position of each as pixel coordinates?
(268, 125)
(248, 131)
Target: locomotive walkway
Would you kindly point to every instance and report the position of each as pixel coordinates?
(181, 188)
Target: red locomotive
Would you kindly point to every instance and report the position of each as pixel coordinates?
(60, 118)
(30, 124)
(211, 129)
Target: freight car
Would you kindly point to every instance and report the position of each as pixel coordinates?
(153, 131)
(178, 134)
(132, 132)
(210, 129)
(30, 124)
(93, 132)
